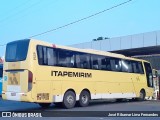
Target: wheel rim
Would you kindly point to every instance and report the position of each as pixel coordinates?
(70, 99)
(84, 99)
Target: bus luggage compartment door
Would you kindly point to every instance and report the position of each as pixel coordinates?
(16, 83)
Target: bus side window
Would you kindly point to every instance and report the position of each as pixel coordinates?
(130, 69)
(140, 67)
(95, 62)
(45, 56)
(116, 64)
(78, 64)
(51, 56)
(40, 55)
(137, 67)
(83, 60)
(65, 58)
(71, 60)
(105, 63)
(126, 66)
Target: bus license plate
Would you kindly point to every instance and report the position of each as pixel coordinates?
(13, 94)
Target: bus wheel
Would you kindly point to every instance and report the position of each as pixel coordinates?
(142, 95)
(84, 99)
(69, 99)
(44, 105)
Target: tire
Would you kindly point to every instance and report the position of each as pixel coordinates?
(44, 105)
(69, 100)
(142, 95)
(84, 99)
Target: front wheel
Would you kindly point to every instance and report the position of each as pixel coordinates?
(69, 99)
(142, 95)
(44, 105)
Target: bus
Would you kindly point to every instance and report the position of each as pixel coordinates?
(1, 75)
(45, 73)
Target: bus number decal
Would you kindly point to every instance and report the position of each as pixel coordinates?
(34, 56)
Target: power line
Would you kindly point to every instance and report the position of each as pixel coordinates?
(19, 12)
(16, 16)
(3, 45)
(82, 19)
(15, 8)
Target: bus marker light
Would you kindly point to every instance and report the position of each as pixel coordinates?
(53, 45)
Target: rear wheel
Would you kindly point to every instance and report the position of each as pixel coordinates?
(84, 99)
(44, 105)
(69, 99)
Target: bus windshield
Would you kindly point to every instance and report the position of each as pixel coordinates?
(17, 50)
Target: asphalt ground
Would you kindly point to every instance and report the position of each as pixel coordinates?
(95, 107)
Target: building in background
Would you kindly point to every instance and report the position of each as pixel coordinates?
(144, 45)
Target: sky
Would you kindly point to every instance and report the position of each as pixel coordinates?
(20, 19)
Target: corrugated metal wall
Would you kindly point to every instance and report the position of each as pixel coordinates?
(124, 42)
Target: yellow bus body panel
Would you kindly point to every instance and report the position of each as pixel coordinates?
(48, 89)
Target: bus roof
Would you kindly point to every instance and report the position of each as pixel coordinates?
(91, 51)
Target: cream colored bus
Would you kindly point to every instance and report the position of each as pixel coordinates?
(44, 73)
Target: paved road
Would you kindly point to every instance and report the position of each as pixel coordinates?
(94, 106)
